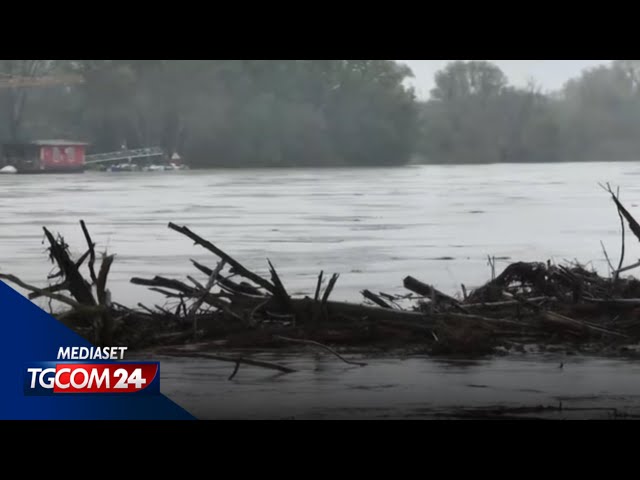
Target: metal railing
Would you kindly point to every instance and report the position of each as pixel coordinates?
(124, 155)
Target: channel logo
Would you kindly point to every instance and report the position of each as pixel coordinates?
(68, 378)
(88, 373)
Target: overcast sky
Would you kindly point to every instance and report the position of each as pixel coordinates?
(550, 74)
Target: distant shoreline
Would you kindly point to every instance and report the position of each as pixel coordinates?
(409, 164)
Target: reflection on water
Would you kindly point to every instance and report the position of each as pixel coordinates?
(324, 388)
(372, 225)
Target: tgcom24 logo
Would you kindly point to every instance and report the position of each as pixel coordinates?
(91, 370)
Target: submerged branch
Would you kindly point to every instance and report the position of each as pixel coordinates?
(317, 344)
(222, 358)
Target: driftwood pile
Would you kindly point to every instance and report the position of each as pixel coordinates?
(228, 306)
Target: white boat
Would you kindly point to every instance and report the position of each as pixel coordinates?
(8, 169)
(123, 167)
(163, 168)
(174, 166)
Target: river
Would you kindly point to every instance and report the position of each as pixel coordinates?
(374, 226)
(407, 388)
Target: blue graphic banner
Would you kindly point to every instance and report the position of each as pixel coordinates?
(30, 338)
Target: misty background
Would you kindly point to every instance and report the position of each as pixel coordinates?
(551, 75)
(275, 113)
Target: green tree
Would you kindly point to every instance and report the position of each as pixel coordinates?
(234, 112)
(14, 99)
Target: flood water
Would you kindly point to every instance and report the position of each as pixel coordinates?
(374, 226)
(415, 388)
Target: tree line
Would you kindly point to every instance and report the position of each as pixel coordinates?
(223, 112)
(475, 116)
(325, 112)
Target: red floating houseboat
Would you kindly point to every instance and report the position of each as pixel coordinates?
(45, 156)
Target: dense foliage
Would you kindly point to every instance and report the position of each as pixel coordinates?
(224, 112)
(475, 116)
(325, 112)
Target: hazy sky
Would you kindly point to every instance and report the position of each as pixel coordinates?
(550, 74)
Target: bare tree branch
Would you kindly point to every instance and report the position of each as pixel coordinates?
(39, 291)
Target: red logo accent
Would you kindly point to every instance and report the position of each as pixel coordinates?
(103, 378)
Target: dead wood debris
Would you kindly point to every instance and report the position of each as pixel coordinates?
(235, 307)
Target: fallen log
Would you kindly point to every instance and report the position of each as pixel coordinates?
(616, 302)
(227, 258)
(479, 318)
(578, 325)
(375, 299)
(303, 307)
(425, 290)
(428, 291)
(522, 300)
(163, 282)
(404, 325)
(243, 288)
(506, 303)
